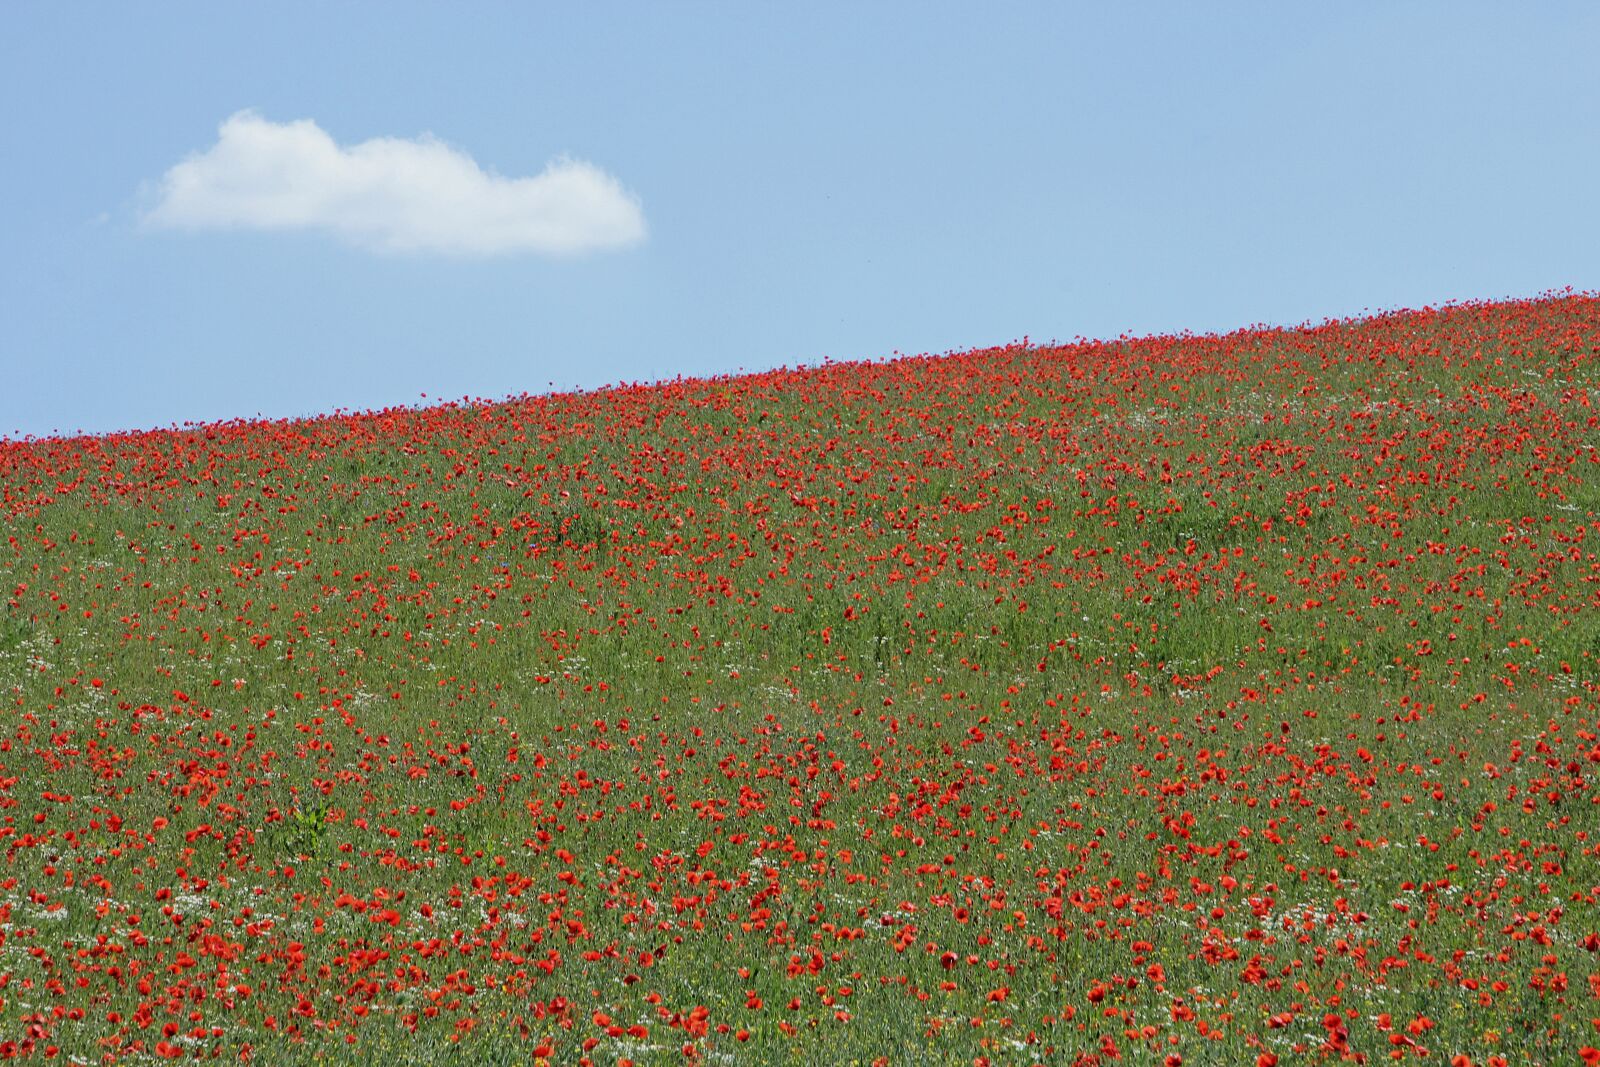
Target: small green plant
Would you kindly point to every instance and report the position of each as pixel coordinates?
(13, 632)
(304, 831)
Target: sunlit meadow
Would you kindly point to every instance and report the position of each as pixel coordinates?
(1204, 700)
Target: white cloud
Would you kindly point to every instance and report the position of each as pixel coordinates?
(391, 194)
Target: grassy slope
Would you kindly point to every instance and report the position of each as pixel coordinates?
(1185, 690)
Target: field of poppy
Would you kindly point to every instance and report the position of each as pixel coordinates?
(1203, 700)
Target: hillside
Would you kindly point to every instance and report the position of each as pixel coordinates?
(1207, 699)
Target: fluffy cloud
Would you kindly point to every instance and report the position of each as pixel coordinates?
(391, 194)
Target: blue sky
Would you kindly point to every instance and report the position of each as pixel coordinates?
(804, 181)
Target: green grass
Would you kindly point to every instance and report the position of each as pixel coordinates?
(1069, 663)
